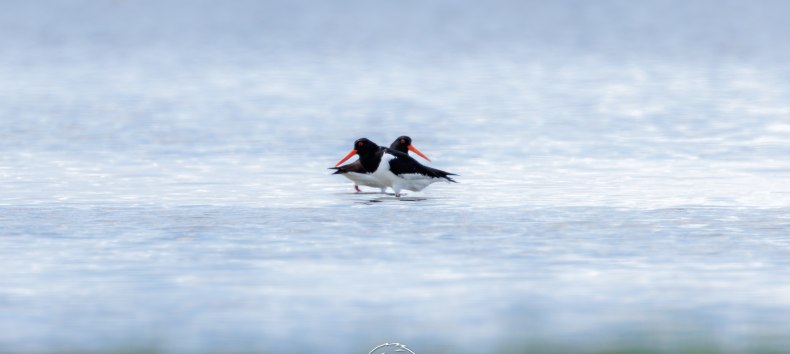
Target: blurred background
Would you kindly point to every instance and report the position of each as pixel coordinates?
(623, 176)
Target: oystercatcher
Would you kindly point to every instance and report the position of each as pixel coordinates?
(395, 169)
(357, 174)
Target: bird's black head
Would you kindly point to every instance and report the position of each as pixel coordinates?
(362, 147)
(401, 144)
(365, 146)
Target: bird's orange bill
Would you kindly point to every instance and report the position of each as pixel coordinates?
(352, 153)
(414, 150)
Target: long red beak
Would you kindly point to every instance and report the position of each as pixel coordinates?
(352, 153)
(414, 150)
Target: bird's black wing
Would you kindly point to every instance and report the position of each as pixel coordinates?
(405, 164)
(355, 166)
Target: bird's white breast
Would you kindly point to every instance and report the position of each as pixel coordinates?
(364, 179)
(409, 181)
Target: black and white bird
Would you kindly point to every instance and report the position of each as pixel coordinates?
(357, 174)
(395, 169)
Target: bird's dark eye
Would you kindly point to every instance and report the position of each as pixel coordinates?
(402, 141)
(359, 143)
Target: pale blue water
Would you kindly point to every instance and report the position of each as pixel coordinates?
(623, 168)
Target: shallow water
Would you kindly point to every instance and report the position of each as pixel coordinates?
(623, 176)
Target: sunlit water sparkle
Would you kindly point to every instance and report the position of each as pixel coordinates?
(164, 177)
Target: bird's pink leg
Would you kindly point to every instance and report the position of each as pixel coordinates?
(357, 188)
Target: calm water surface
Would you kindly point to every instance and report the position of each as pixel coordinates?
(623, 176)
